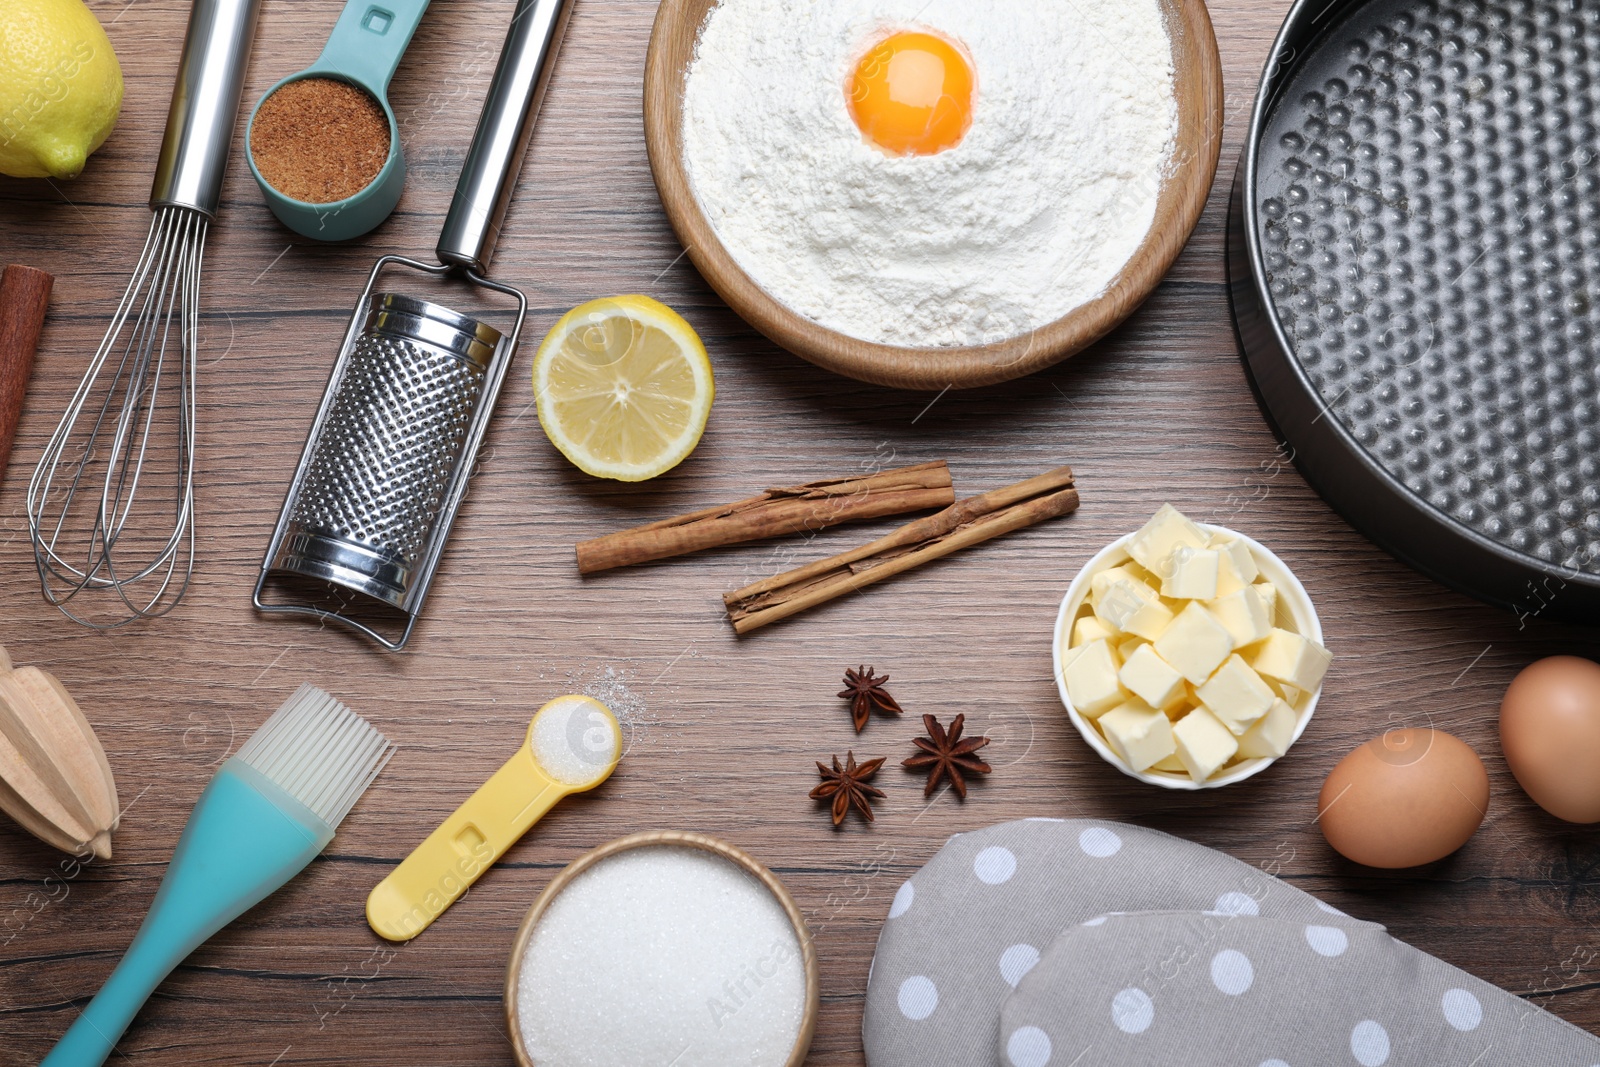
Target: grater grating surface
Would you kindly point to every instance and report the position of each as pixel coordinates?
(384, 461)
(1428, 189)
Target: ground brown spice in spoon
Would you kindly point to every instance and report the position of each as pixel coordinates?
(319, 140)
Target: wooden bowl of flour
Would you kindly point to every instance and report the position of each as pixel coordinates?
(1184, 188)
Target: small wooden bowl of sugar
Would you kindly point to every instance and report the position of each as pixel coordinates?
(663, 947)
(984, 326)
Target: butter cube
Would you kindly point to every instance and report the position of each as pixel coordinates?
(1102, 579)
(1151, 678)
(1238, 564)
(1195, 643)
(1191, 573)
(1089, 629)
(1139, 734)
(1203, 744)
(1128, 646)
(1269, 596)
(1152, 546)
(1271, 736)
(1291, 658)
(1236, 695)
(1172, 765)
(1129, 606)
(1091, 679)
(1244, 613)
(1291, 695)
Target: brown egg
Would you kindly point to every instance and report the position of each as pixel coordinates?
(1409, 797)
(1550, 730)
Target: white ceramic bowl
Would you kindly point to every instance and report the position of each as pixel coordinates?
(1295, 612)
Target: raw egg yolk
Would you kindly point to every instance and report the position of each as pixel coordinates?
(911, 94)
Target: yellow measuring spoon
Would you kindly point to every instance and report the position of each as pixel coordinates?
(574, 743)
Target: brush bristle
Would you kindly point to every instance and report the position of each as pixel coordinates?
(319, 751)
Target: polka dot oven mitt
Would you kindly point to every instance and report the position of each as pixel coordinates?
(1241, 991)
(990, 906)
(963, 931)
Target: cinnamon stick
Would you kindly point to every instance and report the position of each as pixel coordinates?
(776, 512)
(969, 522)
(24, 297)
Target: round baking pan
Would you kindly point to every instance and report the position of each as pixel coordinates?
(1414, 264)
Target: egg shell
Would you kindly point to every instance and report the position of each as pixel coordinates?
(1406, 798)
(1550, 731)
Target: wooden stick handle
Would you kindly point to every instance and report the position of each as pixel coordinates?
(24, 296)
(967, 523)
(775, 513)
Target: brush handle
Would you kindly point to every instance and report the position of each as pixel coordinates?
(245, 838)
(24, 296)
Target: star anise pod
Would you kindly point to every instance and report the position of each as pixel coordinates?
(847, 785)
(865, 690)
(947, 755)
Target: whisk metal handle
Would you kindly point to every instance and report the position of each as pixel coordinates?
(205, 105)
(506, 125)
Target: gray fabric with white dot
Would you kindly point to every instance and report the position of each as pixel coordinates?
(1073, 943)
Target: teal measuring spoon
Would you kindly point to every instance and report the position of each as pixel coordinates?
(363, 50)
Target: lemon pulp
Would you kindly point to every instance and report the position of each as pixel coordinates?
(623, 387)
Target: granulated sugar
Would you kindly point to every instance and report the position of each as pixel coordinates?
(610, 686)
(662, 955)
(573, 741)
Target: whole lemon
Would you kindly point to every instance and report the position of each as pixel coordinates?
(60, 87)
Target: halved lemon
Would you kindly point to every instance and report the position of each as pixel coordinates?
(624, 387)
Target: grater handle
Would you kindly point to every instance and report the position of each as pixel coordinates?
(205, 105)
(504, 128)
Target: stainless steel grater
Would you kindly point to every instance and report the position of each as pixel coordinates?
(389, 457)
(385, 465)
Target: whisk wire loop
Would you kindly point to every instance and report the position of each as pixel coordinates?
(145, 555)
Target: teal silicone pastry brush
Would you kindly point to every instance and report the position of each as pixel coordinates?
(269, 811)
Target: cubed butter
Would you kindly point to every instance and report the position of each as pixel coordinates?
(1195, 643)
(1289, 657)
(1151, 678)
(1236, 695)
(1271, 736)
(1238, 565)
(1172, 764)
(1244, 613)
(1191, 573)
(1167, 529)
(1126, 647)
(1139, 734)
(1269, 596)
(1203, 744)
(1131, 607)
(1089, 629)
(1091, 679)
(1130, 570)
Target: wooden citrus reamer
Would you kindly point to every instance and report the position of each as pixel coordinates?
(54, 778)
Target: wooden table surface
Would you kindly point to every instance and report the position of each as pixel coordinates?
(722, 733)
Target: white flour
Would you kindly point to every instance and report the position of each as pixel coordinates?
(1033, 214)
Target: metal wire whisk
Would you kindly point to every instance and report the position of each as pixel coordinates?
(111, 503)
(141, 546)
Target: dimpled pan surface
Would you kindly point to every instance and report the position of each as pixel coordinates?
(1414, 257)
